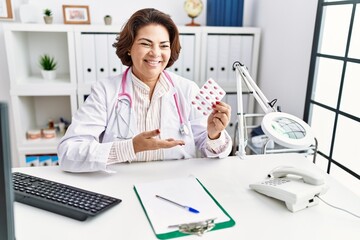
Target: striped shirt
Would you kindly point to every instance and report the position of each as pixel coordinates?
(148, 112)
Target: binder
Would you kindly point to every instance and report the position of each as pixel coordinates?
(241, 50)
(177, 67)
(212, 56)
(188, 48)
(223, 65)
(115, 65)
(88, 58)
(235, 54)
(247, 48)
(101, 54)
(169, 220)
(224, 13)
(45, 160)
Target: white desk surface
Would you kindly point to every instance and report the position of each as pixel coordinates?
(256, 216)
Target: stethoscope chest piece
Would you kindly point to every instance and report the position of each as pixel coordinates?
(184, 130)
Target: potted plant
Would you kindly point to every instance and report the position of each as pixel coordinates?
(48, 17)
(107, 19)
(48, 66)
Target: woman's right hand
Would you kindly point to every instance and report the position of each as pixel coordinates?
(146, 141)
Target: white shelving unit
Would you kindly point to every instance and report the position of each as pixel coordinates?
(85, 55)
(34, 100)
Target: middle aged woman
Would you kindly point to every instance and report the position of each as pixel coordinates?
(145, 113)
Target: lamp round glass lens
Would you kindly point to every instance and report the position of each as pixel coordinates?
(288, 128)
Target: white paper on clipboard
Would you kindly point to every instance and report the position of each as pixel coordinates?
(186, 191)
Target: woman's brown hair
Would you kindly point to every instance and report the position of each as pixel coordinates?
(142, 18)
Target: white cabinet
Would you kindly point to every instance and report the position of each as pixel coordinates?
(84, 54)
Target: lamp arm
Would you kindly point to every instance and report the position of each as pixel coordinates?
(254, 89)
(243, 74)
(242, 142)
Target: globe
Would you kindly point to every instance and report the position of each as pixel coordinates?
(193, 9)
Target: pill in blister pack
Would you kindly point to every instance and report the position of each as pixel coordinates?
(209, 94)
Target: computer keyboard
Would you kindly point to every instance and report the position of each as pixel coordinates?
(59, 198)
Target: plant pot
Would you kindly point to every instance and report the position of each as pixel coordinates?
(107, 20)
(48, 74)
(48, 19)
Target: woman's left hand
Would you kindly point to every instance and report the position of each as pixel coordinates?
(218, 119)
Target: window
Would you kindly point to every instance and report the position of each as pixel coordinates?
(333, 95)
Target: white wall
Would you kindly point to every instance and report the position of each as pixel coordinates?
(287, 31)
(286, 42)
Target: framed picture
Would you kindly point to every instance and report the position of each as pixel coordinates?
(76, 14)
(6, 12)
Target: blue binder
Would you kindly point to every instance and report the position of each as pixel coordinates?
(225, 13)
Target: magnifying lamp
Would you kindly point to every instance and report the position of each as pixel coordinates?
(283, 128)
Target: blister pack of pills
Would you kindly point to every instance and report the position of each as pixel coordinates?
(209, 94)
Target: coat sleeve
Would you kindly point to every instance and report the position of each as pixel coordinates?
(80, 149)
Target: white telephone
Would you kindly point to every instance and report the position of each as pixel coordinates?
(296, 187)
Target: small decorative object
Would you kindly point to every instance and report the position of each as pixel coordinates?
(193, 9)
(6, 11)
(30, 12)
(48, 17)
(76, 14)
(48, 66)
(108, 20)
(33, 134)
(48, 133)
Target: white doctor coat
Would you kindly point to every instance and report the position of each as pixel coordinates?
(86, 145)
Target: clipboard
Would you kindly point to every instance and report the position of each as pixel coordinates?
(170, 221)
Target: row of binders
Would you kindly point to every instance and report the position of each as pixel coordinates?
(99, 60)
(41, 160)
(222, 51)
(185, 65)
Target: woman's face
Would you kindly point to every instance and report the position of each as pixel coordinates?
(150, 52)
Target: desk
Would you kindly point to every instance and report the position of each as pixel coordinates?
(256, 216)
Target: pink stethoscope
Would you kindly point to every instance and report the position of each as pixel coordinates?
(124, 96)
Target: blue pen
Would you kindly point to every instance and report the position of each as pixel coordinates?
(190, 209)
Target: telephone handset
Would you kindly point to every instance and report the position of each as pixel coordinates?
(308, 177)
(296, 187)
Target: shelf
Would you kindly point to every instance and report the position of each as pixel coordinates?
(34, 112)
(38, 79)
(25, 48)
(35, 27)
(36, 86)
(40, 145)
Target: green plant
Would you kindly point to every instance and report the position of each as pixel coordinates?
(47, 63)
(47, 12)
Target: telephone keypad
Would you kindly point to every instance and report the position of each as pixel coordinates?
(276, 181)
